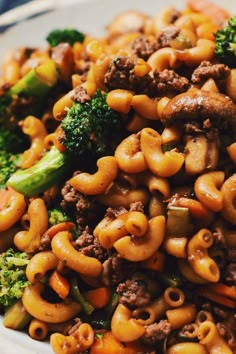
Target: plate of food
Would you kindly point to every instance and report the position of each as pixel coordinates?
(118, 179)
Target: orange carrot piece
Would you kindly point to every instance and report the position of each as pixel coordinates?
(215, 297)
(98, 297)
(217, 14)
(156, 262)
(59, 284)
(224, 290)
(63, 226)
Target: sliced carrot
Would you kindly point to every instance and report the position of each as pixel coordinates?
(217, 14)
(59, 284)
(224, 290)
(215, 297)
(63, 226)
(156, 262)
(99, 297)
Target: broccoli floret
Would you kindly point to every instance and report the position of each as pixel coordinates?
(89, 130)
(57, 215)
(13, 278)
(90, 127)
(8, 165)
(5, 103)
(67, 35)
(225, 39)
(13, 141)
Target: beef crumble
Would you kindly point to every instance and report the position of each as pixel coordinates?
(156, 332)
(168, 80)
(83, 207)
(144, 47)
(121, 75)
(208, 70)
(90, 246)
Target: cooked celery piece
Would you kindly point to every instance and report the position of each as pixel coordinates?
(38, 81)
(76, 294)
(16, 317)
(178, 221)
(41, 176)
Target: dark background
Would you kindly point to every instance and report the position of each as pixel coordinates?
(6, 5)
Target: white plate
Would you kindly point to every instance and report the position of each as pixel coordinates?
(89, 16)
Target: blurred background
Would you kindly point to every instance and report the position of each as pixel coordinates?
(6, 5)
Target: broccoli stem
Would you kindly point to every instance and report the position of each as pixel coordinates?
(44, 174)
(16, 317)
(38, 81)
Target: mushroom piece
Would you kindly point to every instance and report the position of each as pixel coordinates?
(200, 105)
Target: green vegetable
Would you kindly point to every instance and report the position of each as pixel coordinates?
(26, 96)
(16, 317)
(88, 129)
(178, 221)
(38, 81)
(170, 279)
(13, 279)
(57, 215)
(101, 319)
(67, 35)
(41, 176)
(76, 294)
(8, 165)
(12, 141)
(225, 39)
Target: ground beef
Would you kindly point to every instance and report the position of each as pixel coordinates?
(115, 212)
(90, 246)
(144, 47)
(133, 293)
(188, 328)
(121, 75)
(208, 70)
(77, 323)
(169, 80)
(117, 269)
(45, 242)
(81, 95)
(84, 207)
(137, 206)
(156, 332)
(227, 333)
(166, 35)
